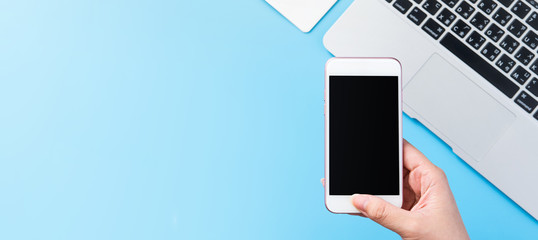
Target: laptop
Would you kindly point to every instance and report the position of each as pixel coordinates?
(470, 74)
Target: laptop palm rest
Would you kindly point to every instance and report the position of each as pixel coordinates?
(456, 107)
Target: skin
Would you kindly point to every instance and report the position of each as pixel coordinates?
(429, 210)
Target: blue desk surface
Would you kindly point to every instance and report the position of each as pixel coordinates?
(183, 120)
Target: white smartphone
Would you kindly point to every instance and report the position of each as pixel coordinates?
(363, 131)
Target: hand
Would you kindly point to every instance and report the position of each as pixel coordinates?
(429, 210)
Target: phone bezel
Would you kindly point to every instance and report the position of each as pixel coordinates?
(360, 67)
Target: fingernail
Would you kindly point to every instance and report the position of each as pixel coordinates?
(360, 201)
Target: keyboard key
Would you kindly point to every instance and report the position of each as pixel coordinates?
(505, 63)
(520, 75)
(521, 9)
(432, 6)
(461, 29)
(533, 3)
(433, 29)
(465, 9)
(534, 67)
(525, 101)
(517, 28)
(479, 21)
(494, 32)
(473, 1)
(417, 16)
(524, 56)
(506, 3)
(532, 21)
(490, 51)
(402, 5)
(536, 115)
(502, 16)
(418, 1)
(509, 44)
(487, 6)
(451, 3)
(482, 67)
(533, 86)
(476, 40)
(446, 17)
(389, 1)
(531, 39)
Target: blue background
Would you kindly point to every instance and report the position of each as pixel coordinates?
(183, 120)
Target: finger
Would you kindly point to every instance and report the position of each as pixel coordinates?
(409, 198)
(412, 157)
(408, 192)
(382, 212)
(323, 182)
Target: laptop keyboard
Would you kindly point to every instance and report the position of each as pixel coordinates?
(496, 38)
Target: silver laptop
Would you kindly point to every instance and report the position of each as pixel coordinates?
(470, 74)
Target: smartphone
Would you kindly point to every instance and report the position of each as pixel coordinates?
(363, 131)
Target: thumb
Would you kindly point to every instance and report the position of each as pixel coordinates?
(382, 212)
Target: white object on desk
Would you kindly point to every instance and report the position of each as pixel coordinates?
(304, 14)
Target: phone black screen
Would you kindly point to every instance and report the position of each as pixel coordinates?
(363, 135)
